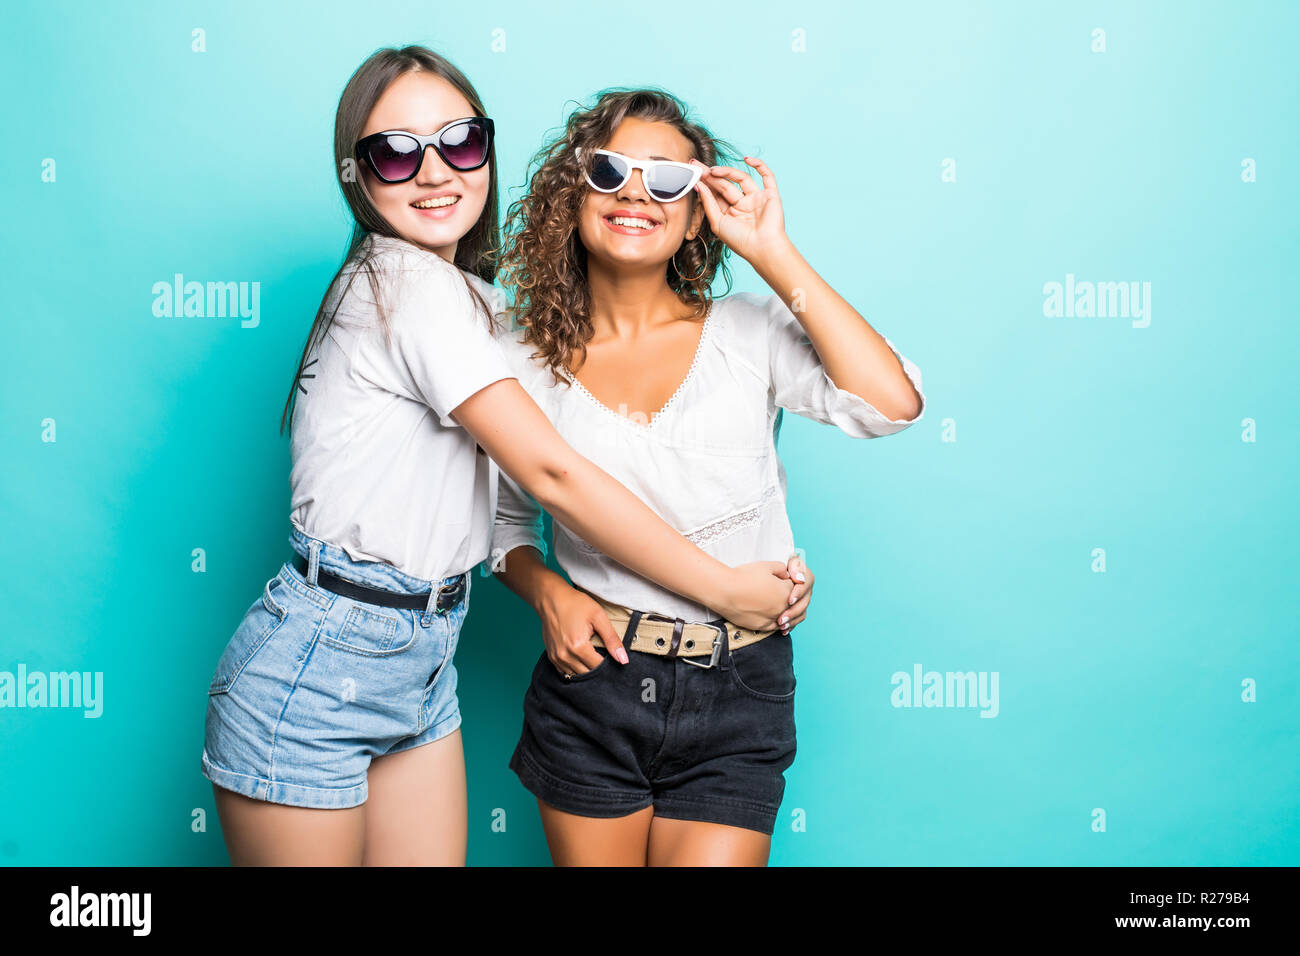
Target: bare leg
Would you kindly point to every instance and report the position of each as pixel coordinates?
(692, 843)
(259, 833)
(418, 811)
(596, 841)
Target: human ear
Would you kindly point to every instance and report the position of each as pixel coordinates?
(696, 220)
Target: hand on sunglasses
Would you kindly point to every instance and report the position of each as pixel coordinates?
(745, 216)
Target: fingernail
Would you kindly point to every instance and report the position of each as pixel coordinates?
(783, 620)
(621, 656)
(799, 576)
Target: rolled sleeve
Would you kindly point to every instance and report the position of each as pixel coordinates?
(801, 385)
(518, 520)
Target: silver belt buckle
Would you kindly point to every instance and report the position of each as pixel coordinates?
(717, 649)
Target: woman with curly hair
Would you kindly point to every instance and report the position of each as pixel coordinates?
(677, 757)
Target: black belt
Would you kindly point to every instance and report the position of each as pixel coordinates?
(449, 595)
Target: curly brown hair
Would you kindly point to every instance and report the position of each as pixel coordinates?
(543, 258)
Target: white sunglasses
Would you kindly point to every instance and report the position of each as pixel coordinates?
(665, 180)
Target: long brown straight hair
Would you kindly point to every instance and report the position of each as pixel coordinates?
(477, 250)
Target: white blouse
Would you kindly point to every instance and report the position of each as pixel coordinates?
(706, 462)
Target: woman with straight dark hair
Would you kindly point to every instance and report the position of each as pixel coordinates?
(332, 732)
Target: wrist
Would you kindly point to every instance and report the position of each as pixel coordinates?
(550, 587)
(773, 257)
(720, 588)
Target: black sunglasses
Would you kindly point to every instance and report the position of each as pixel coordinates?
(395, 156)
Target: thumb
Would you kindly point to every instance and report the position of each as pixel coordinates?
(711, 211)
(778, 568)
(608, 636)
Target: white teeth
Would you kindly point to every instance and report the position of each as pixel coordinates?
(436, 202)
(633, 221)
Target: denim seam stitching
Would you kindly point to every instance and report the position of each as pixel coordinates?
(608, 796)
(390, 628)
(279, 720)
(261, 643)
(771, 698)
(280, 783)
(729, 801)
(305, 591)
(446, 720)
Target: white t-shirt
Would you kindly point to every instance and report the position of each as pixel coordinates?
(706, 462)
(380, 468)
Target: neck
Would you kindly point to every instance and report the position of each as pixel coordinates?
(627, 302)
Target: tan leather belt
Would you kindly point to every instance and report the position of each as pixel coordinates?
(674, 637)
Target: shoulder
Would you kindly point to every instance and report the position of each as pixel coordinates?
(744, 302)
(747, 321)
(401, 263)
(533, 373)
(402, 267)
(749, 314)
(490, 293)
(399, 252)
(416, 284)
(752, 328)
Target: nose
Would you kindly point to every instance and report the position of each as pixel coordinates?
(433, 170)
(637, 191)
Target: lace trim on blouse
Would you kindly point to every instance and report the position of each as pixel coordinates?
(672, 400)
(733, 523)
(713, 531)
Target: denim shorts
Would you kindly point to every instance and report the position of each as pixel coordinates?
(696, 744)
(313, 685)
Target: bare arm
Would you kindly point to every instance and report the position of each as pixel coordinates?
(569, 616)
(855, 355)
(505, 420)
(751, 221)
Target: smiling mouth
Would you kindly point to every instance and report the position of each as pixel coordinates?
(632, 223)
(437, 202)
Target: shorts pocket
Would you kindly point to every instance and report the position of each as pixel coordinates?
(374, 631)
(578, 678)
(766, 670)
(260, 621)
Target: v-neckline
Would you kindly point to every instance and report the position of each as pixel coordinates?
(672, 399)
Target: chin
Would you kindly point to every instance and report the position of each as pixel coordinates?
(628, 258)
(442, 234)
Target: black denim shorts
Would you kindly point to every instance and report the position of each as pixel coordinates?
(697, 744)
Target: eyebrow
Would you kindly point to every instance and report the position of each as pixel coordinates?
(668, 158)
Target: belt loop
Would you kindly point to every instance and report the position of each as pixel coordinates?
(629, 635)
(431, 609)
(313, 561)
(725, 660)
(678, 624)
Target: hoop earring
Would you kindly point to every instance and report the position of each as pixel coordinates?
(702, 270)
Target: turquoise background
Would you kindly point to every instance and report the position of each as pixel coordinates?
(1120, 690)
